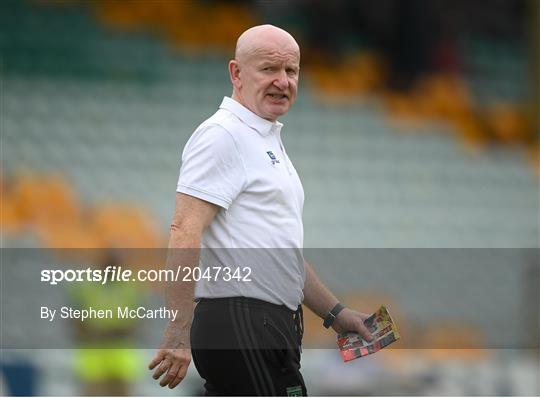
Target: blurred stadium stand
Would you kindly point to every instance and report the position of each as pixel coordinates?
(111, 111)
(98, 99)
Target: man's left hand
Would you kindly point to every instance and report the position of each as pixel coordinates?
(352, 321)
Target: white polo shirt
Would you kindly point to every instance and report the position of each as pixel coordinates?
(236, 160)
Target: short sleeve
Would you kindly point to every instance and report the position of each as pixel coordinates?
(212, 168)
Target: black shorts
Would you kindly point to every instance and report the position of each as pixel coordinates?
(244, 346)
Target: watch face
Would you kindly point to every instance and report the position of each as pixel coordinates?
(329, 320)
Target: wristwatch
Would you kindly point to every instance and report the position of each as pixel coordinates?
(331, 317)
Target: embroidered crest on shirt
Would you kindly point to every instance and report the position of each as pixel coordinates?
(272, 157)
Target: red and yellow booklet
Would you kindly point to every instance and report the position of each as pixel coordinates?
(383, 329)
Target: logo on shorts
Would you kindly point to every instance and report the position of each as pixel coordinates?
(272, 157)
(295, 391)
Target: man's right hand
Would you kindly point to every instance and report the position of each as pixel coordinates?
(173, 363)
(191, 217)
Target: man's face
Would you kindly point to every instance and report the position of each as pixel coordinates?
(269, 81)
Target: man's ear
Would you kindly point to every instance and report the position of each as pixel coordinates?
(234, 73)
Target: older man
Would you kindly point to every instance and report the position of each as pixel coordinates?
(239, 190)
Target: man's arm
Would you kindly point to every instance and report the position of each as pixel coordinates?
(320, 300)
(191, 217)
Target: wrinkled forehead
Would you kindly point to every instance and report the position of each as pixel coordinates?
(283, 55)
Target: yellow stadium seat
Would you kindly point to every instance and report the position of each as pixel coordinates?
(509, 124)
(453, 341)
(472, 133)
(125, 226)
(11, 222)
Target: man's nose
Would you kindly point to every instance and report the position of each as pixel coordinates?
(281, 81)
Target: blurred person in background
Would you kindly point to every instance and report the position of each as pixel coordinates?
(238, 189)
(114, 366)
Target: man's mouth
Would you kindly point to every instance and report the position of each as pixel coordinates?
(278, 96)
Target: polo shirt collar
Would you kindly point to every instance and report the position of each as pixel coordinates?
(264, 127)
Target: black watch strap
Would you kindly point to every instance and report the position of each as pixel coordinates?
(331, 317)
